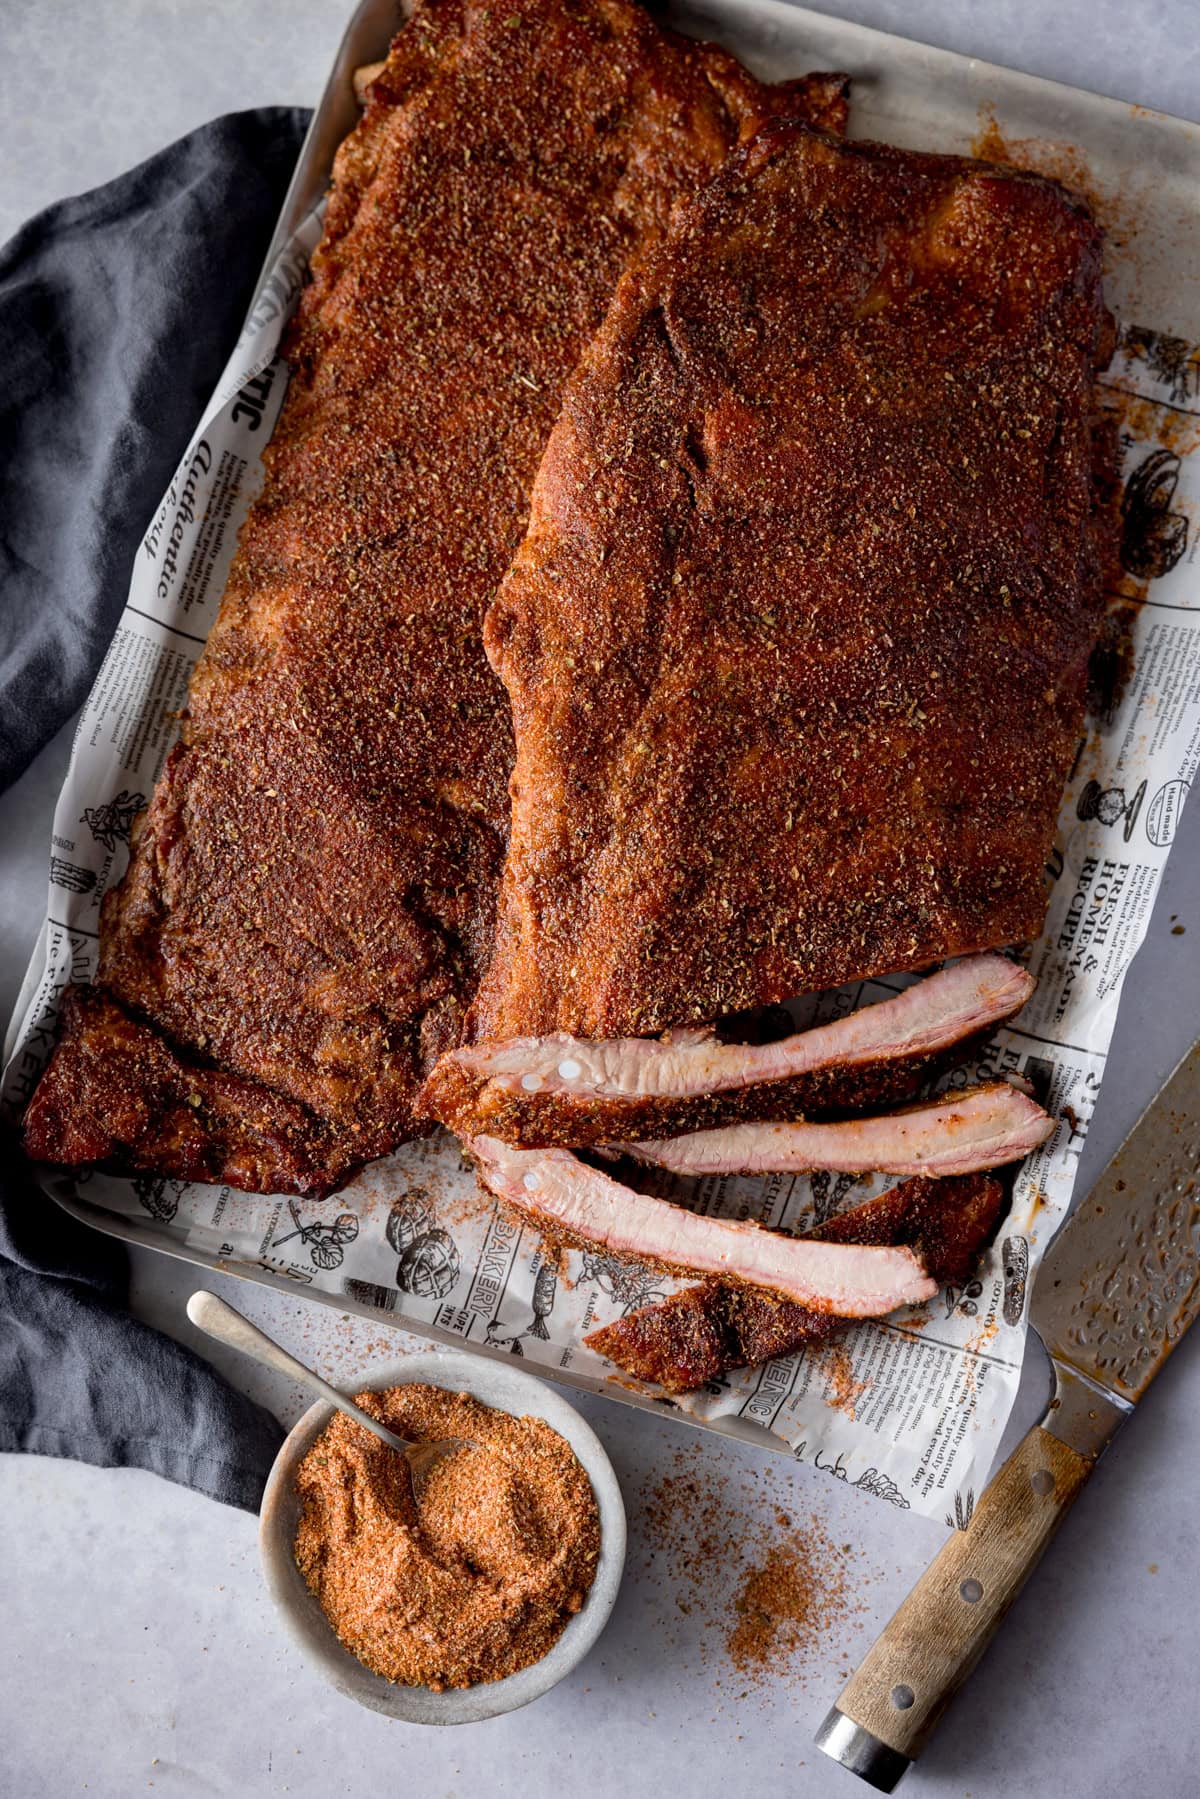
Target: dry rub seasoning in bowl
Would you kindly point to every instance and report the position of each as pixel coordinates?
(477, 1581)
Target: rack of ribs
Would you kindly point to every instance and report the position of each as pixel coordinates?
(797, 637)
(311, 892)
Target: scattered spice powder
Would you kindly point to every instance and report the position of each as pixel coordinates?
(765, 1595)
(776, 1606)
(476, 1581)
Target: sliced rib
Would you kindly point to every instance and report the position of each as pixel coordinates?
(983, 1127)
(697, 1335)
(577, 1091)
(581, 1205)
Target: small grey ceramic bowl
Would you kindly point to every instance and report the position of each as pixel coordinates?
(507, 1389)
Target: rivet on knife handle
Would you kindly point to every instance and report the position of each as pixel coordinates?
(889, 1707)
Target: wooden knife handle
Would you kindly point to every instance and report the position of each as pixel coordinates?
(935, 1639)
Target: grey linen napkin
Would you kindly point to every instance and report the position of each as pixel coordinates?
(118, 310)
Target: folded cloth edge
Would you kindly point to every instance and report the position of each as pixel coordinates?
(185, 230)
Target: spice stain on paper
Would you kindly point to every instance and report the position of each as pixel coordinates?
(842, 1391)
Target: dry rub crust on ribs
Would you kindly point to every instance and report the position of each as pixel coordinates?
(699, 1334)
(311, 893)
(148, 1107)
(797, 638)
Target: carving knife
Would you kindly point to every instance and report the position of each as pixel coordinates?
(1118, 1288)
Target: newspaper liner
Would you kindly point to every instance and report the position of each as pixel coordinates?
(910, 1409)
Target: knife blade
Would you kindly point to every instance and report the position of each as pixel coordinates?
(1119, 1287)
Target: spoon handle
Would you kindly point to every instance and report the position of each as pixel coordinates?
(228, 1326)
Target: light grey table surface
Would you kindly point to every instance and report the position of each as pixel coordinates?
(137, 1648)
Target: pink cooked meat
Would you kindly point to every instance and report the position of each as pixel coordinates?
(983, 1127)
(699, 1334)
(577, 1091)
(578, 1203)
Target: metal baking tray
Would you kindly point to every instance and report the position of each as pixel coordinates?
(1141, 168)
